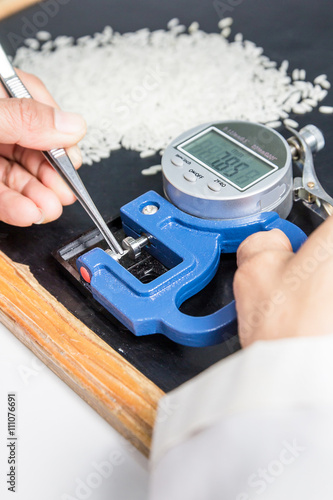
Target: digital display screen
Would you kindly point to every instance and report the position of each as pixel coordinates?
(231, 162)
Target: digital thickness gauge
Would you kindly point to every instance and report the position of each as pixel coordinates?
(223, 182)
(229, 170)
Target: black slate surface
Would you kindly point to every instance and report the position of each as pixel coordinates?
(297, 30)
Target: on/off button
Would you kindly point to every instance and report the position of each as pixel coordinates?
(190, 177)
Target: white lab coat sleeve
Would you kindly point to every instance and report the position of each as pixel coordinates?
(257, 425)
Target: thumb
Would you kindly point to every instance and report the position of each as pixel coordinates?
(34, 125)
(261, 242)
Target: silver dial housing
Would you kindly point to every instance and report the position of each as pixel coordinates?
(258, 178)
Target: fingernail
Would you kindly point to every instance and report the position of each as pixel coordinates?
(75, 155)
(42, 218)
(68, 123)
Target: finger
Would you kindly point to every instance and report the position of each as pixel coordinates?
(262, 241)
(32, 159)
(44, 198)
(16, 178)
(75, 156)
(35, 87)
(39, 92)
(34, 125)
(52, 180)
(17, 210)
(36, 164)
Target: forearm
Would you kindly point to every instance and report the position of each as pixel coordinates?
(268, 404)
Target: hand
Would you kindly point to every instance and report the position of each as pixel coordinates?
(31, 192)
(281, 294)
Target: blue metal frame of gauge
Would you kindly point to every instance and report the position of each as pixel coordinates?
(229, 139)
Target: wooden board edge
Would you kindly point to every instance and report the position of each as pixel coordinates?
(10, 7)
(121, 394)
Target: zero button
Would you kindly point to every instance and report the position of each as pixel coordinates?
(214, 186)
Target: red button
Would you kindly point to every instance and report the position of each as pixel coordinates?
(85, 274)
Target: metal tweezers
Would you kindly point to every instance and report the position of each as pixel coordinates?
(59, 159)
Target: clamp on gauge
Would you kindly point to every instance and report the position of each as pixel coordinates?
(223, 182)
(308, 188)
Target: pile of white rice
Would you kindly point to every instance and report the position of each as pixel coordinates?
(140, 90)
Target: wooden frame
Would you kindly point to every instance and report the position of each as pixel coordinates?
(96, 372)
(106, 381)
(9, 7)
